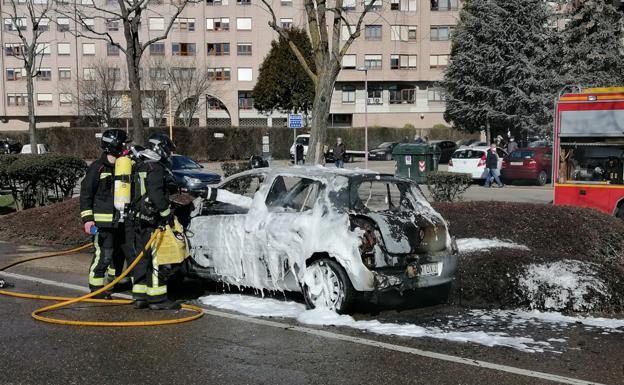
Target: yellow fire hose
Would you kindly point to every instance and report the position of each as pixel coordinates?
(66, 301)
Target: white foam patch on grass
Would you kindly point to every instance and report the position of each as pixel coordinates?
(466, 245)
(266, 307)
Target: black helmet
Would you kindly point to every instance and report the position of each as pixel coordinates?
(113, 141)
(161, 144)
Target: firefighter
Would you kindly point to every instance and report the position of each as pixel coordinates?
(152, 209)
(98, 212)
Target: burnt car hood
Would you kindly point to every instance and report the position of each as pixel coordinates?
(409, 233)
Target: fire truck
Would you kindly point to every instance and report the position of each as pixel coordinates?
(588, 154)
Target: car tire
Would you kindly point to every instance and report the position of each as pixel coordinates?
(388, 156)
(542, 178)
(323, 274)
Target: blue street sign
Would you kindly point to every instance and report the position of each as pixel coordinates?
(295, 121)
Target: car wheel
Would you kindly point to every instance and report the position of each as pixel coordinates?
(326, 285)
(542, 178)
(388, 156)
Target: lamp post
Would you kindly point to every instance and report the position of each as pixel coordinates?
(365, 69)
(168, 85)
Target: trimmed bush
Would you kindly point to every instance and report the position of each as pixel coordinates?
(447, 186)
(5, 162)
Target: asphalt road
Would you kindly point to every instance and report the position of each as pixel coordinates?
(227, 348)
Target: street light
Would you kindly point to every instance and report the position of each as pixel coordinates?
(365, 69)
(168, 85)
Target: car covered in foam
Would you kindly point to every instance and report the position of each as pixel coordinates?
(330, 233)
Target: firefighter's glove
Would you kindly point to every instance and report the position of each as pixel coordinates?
(210, 194)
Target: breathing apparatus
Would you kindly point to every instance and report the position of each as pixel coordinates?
(123, 185)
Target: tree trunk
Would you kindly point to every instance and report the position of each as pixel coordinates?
(135, 99)
(32, 124)
(320, 115)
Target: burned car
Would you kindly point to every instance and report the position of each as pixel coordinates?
(329, 233)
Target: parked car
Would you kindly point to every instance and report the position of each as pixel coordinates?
(10, 147)
(190, 176)
(42, 149)
(383, 151)
(479, 144)
(465, 142)
(533, 164)
(332, 234)
(447, 148)
(303, 139)
(471, 160)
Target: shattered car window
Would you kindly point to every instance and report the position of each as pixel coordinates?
(245, 185)
(383, 196)
(292, 194)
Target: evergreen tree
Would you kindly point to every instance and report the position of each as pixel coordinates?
(592, 45)
(282, 84)
(501, 74)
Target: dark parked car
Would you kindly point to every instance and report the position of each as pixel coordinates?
(382, 152)
(447, 148)
(10, 147)
(189, 175)
(533, 164)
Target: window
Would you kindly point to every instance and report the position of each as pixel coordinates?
(372, 62)
(245, 185)
(114, 73)
(243, 2)
(44, 74)
(349, 62)
(112, 25)
(218, 24)
(245, 74)
(43, 49)
(243, 49)
(243, 23)
(349, 5)
(286, 3)
(403, 62)
(403, 5)
(214, 104)
(402, 94)
(63, 49)
(293, 194)
(372, 32)
(184, 24)
(183, 49)
(157, 49)
(44, 99)
(218, 49)
(348, 94)
(286, 23)
(157, 73)
(156, 24)
(64, 73)
(112, 50)
(44, 24)
(444, 5)
(441, 32)
(88, 74)
(435, 94)
(245, 100)
(63, 24)
(376, 6)
(383, 196)
(216, 2)
(88, 49)
(181, 73)
(438, 61)
(13, 24)
(17, 99)
(13, 49)
(375, 95)
(219, 73)
(15, 73)
(403, 32)
(65, 99)
(88, 24)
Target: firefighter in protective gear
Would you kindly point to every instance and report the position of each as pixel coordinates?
(97, 209)
(152, 208)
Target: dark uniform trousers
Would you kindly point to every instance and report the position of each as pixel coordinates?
(149, 280)
(109, 256)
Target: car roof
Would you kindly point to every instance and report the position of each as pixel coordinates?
(480, 148)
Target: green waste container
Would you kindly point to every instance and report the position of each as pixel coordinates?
(414, 161)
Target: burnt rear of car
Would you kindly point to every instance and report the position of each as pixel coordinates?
(405, 242)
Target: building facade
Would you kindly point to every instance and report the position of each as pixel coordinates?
(404, 46)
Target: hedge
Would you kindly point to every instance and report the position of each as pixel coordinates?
(447, 186)
(238, 143)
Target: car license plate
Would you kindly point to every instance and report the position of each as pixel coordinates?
(517, 163)
(425, 270)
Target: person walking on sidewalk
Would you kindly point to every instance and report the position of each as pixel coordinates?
(340, 152)
(491, 167)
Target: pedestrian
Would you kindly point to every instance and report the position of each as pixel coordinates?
(491, 167)
(152, 208)
(299, 156)
(512, 145)
(340, 152)
(98, 214)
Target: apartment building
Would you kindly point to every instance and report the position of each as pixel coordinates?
(404, 47)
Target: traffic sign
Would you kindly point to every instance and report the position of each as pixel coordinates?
(295, 121)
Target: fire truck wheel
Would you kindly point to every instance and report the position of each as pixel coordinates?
(542, 178)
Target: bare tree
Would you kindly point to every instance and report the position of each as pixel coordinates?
(26, 23)
(188, 89)
(328, 53)
(129, 14)
(100, 88)
(153, 82)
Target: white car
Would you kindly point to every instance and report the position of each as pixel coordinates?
(303, 139)
(471, 160)
(332, 234)
(41, 149)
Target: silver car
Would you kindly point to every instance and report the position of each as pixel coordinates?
(329, 233)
